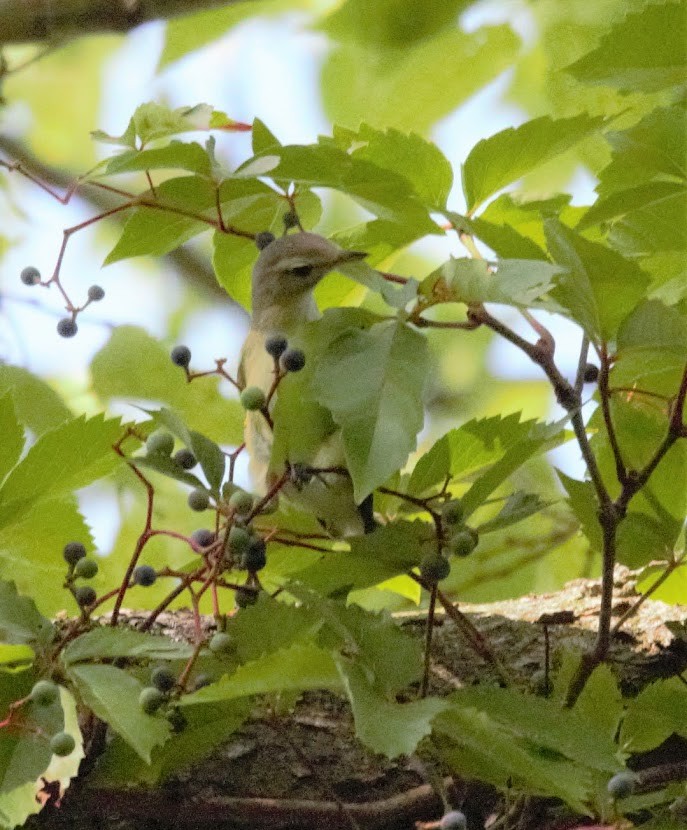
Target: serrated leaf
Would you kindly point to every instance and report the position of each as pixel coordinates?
(503, 239)
(177, 155)
(585, 505)
(655, 714)
(600, 704)
(12, 435)
(372, 382)
(504, 158)
(37, 405)
(211, 459)
(107, 643)
(112, 694)
(600, 287)
(20, 620)
(645, 51)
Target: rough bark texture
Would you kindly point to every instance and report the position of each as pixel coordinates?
(307, 771)
(55, 20)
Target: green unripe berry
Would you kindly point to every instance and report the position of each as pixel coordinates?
(185, 459)
(96, 293)
(622, 784)
(30, 275)
(434, 567)
(452, 512)
(62, 744)
(44, 693)
(150, 700)
(276, 345)
(67, 327)
(454, 820)
(239, 540)
(86, 568)
(241, 502)
(255, 558)
(84, 595)
(160, 442)
(73, 551)
(293, 360)
(463, 542)
(290, 219)
(253, 398)
(198, 500)
(145, 576)
(263, 239)
(245, 597)
(181, 356)
(163, 678)
(221, 643)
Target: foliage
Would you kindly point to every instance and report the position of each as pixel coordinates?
(302, 610)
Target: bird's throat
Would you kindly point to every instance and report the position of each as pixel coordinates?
(284, 317)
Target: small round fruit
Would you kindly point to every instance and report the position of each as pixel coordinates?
(160, 442)
(85, 595)
(255, 558)
(241, 502)
(163, 678)
(591, 373)
(221, 643)
(290, 219)
(263, 239)
(96, 293)
(245, 597)
(434, 567)
(30, 275)
(293, 360)
(185, 459)
(150, 700)
(86, 568)
(62, 744)
(203, 537)
(73, 551)
(455, 820)
(463, 542)
(145, 576)
(181, 356)
(276, 345)
(253, 398)
(621, 785)
(177, 720)
(44, 693)
(67, 327)
(198, 500)
(452, 512)
(239, 540)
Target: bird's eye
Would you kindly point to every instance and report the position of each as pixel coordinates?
(302, 270)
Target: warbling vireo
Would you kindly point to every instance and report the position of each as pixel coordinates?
(284, 276)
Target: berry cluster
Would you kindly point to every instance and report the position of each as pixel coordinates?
(459, 540)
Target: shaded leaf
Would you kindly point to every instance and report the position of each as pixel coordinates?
(20, 620)
(107, 643)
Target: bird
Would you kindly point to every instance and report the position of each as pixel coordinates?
(283, 278)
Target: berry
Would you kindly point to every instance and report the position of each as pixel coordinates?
(177, 720)
(239, 540)
(163, 678)
(73, 551)
(455, 820)
(463, 542)
(221, 643)
(86, 568)
(84, 595)
(181, 356)
(591, 373)
(185, 459)
(263, 239)
(241, 502)
(290, 220)
(255, 558)
(276, 345)
(253, 398)
(198, 500)
(145, 576)
(245, 597)
(622, 785)
(62, 744)
(452, 512)
(160, 442)
(293, 360)
(203, 537)
(150, 700)
(44, 693)
(434, 567)
(67, 327)
(96, 293)
(30, 275)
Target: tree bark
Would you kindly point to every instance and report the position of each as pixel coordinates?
(23, 21)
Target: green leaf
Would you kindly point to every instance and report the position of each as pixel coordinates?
(64, 459)
(600, 704)
(504, 158)
(270, 626)
(37, 404)
(386, 727)
(585, 505)
(132, 365)
(16, 658)
(176, 156)
(655, 714)
(645, 51)
(600, 288)
(518, 506)
(12, 435)
(112, 694)
(372, 382)
(108, 643)
(504, 240)
(20, 620)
